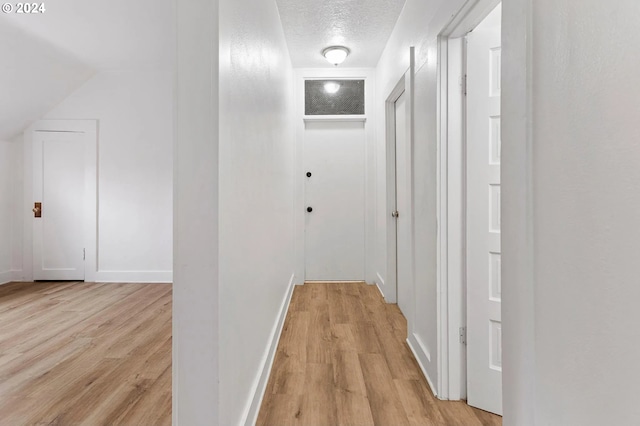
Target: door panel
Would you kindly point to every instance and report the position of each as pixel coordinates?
(335, 230)
(58, 167)
(484, 288)
(403, 225)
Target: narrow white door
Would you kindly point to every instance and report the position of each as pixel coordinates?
(334, 195)
(58, 184)
(403, 226)
(484, 327)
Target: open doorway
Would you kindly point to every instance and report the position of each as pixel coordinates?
(470, 177)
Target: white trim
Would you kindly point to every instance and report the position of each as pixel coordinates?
(250, 415)
(90, 129)
(442, 303)
(134, 276)
(413, 341)
(468, 17)
(379, 283)
(404, 86)
(6, 277)
(390, 289)
(451, 273)
(357, 118)
(13, 275)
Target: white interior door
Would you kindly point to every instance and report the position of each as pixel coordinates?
(58, 184)
(403, 225)
(484, 329)
(334, 154)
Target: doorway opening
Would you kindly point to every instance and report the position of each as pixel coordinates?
(469, 244)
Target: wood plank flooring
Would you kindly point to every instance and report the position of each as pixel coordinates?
(80, 353)
(342, 360)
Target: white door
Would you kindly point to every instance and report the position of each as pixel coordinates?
(334, 193)
(484, 329)
(403, 225)
(58, 184)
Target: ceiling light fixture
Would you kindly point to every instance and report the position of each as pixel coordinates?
(336, 54)
(331, 87)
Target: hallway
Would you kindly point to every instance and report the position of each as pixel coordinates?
(342, 360)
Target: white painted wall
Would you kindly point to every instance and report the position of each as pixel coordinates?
(419, 25)
(256, 195)
(17, 203)
(10, 198)
(195, 290)
(570, 212)
(135, 132)
(35, 76)
(5, 211)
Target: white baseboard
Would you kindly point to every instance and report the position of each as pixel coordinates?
(6, 277)
(134, 276)
(252, 409)
(380, 284)
(423, 357)
(17, 275)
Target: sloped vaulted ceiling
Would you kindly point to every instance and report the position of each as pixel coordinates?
(45, 57)
(34, 77)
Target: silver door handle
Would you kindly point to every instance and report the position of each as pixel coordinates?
(395, 213)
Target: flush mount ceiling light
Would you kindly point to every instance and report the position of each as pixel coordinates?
(336, 54)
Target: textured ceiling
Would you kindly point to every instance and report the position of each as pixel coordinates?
(363, 26)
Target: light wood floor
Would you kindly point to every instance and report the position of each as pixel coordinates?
(90, 354)
(342, 360)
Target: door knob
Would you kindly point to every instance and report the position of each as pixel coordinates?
(37, 209)
(308, 174)
(309, 209)
(395, 213)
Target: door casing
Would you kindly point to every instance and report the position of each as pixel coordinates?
(89, 129)
(300, 75)
(451, 274)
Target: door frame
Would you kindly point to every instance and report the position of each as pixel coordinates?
(451, 187)
(89, 128)
(389, 288)
(299, 118)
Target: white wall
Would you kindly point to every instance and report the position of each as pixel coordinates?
(17, 184)
(195, 290)
(35, 76)
(134, 110)
(10, 205)
(256, 194)
(6, 198)
(572, 292)
(419, 25)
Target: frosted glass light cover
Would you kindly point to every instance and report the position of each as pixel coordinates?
(336, 54)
